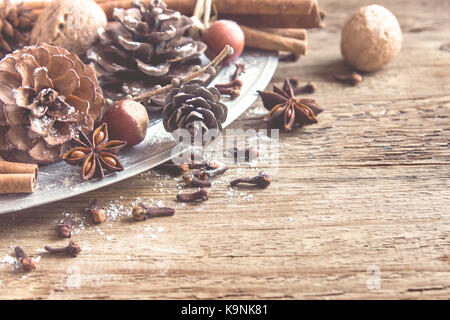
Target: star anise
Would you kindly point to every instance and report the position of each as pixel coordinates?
(285, 109)
(95, 154)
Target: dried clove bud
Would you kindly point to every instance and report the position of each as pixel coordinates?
(233, 88)
(310, 87)
(173, 169)
(202, 195)
(351, 78)
(73, 249)
(203, 174)
(240, 69)
(65, 229)
(261, 181)
(98, 214)
(288, 57)
(28, 262)
(204, 165)
(142, 212)
(248, 154)
(192, 181)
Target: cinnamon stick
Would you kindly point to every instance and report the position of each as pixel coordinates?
(299, 34)
(269, 41)
(254, 7)
(17, 183)
(281, 21)
(16, 167)
(253, 13)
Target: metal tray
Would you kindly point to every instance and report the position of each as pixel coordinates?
(60, 181)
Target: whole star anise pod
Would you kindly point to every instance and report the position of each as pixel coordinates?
(286, 110)
(95, 154)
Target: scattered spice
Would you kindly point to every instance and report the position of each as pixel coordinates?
(247, 154)
(202, 195)
(310, 87)
(288, 57)
(65, 229)
(142, 212)
(173, 169)
(202, 173)
(285, 110)
(261, 181)
(193, 181)
(233, 88)
(352, 78)
(72, 249)
(96, 154)
(98, 213)
(204, 165)
(28, 262)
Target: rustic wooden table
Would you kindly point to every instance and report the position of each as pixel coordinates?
(359, 206)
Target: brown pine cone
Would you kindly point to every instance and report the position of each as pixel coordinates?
(194, 107)
(146, 47)
(46, 96)
(16, 21)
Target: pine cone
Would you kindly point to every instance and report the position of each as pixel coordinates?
(46, 96)
(16, 21)
(146, 46)
(194, 107)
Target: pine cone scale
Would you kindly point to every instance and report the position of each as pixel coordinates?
(16, 20)
(194, 108)
(145, 46)
(45, 105)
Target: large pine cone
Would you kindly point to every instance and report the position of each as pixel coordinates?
(46, 96)
(16, 21)
(194, 107)
(146, 46)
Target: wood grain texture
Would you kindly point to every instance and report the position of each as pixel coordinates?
(367, 187)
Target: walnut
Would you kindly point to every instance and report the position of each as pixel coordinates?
(69, 24)
(371, 38)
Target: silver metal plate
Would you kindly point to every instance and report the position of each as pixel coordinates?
(60, 181)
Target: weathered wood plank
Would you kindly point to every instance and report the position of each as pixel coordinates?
(367, 187)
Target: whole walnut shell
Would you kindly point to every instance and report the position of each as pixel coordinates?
(69, 24)
(371, 38)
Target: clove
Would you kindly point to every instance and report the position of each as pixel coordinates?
(98, 214)
(310, 87)
(233, 88)
(73, 249)
(142, 212)
(28, 262)
(174, 169)
(240, 69)
(261, 181)
(192, 181)
(204, 175)
(204, 165)
(203, 194)
(65, 229)
(350, 78)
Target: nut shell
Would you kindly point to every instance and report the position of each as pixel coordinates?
(371, 38)
(69, 24)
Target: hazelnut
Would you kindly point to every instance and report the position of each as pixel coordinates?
(69, 24)
(222, 33)
(127, 121)
(371, 38)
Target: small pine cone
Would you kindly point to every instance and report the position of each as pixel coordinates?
(47, 95)
(16, 21)
(145, 46)
(194, 107)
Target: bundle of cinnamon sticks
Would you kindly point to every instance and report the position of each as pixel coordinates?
(267, 24)
(17, 177)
